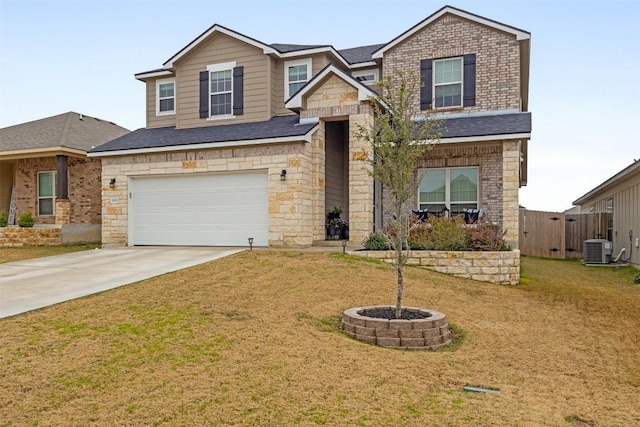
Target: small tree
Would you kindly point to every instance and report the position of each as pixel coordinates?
(398, 140)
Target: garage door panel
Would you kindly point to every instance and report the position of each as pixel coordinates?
(203, 209)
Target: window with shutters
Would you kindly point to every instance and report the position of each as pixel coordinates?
(447, 82)
(222, 91)
(453, 188)
(296, 74)
(165, 97)
(47, 193)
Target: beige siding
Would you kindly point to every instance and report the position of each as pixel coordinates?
(497, 59)
(318, 62)
(626, 214)
(221, 48)
(154, 121)
(336, 172)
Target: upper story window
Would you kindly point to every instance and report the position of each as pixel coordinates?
(368, 77)
(222, 91)
(447, 82)
(453, 188)
(165, 97)
(47, 193)
(296, 74)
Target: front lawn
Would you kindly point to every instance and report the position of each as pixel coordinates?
(29, 252)
(252, 339)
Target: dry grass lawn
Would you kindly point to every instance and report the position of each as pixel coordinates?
(29, 252)
(252, 339)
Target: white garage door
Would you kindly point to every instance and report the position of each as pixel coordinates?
(199, 210)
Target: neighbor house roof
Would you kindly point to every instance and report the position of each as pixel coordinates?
(278, 129)
(72, 132)
(623, 174)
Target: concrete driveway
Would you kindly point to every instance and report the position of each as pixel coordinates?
(36, 283)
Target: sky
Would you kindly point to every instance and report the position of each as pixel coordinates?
(584, 93)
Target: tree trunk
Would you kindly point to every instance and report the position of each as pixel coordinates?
(400, 292)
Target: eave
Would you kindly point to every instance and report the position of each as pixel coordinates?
(31, 153)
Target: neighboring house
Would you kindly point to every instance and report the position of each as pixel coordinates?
(252, 140)
(45, 164)
(619, 199)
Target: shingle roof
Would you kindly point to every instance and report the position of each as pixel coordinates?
(276, 127)
(69, 130)
(502, 124)
(359, 54)
(284, 47)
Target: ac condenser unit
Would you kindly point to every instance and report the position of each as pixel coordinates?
(597, 251)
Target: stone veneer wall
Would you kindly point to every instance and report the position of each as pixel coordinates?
(30, 236)
(337, 100)
(291, 210)
(495, 267)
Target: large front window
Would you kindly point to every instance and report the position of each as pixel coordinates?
(453, 188)
(448, 82)
(297, 74)
(46, 193)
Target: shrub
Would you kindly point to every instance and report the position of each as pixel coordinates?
(438, 234)
(25, 219)
(4, 219)
(486, 237)
(376, 242)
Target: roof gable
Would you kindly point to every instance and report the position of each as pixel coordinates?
(69, 130)
(633, 168)
(295, 102)
(518, 33)
(215, 28)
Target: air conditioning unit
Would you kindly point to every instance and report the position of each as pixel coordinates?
(597, 251)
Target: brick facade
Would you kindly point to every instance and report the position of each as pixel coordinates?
(497, 59)
(84, 188)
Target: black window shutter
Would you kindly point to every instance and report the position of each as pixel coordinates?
(204, 94)
(426, 73)
(469, 98)
(238, 89)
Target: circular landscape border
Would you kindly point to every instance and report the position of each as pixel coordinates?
(428, 333)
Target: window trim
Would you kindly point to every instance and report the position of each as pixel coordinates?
(161, 82)
(223, 66)
(461, 82)
(288, 64)
(53, 193)
(360, 73)
(447, 182)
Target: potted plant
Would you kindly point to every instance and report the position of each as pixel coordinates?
(334, 226)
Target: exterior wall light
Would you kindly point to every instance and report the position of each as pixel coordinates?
(283, 175)
(112, 183)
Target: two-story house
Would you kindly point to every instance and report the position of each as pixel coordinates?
(252, 140)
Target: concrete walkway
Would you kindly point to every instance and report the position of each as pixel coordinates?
(31, 284)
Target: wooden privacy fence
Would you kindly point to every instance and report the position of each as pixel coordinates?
(558, 235)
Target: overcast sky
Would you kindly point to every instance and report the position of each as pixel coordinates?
(63, 55)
